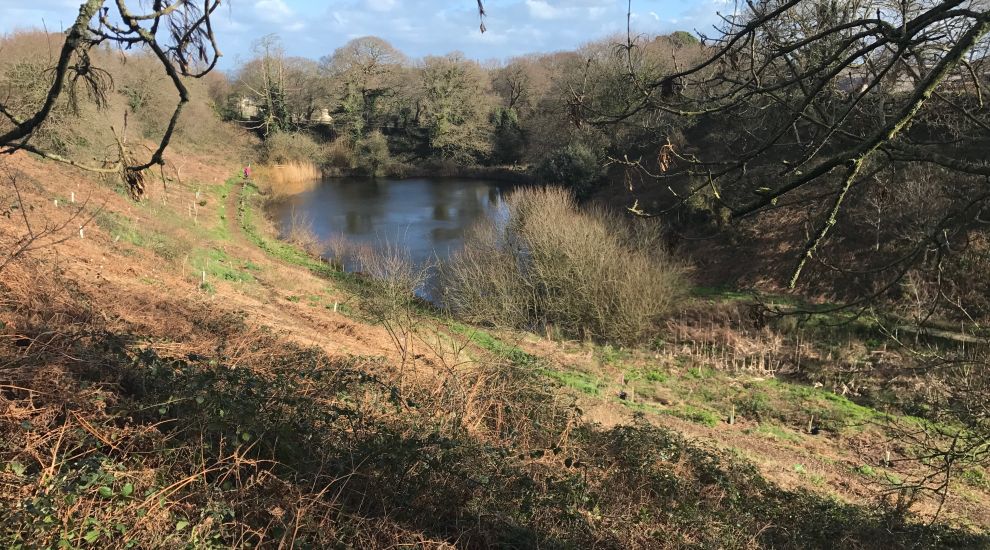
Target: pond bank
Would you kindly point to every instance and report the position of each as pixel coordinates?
(505, 174)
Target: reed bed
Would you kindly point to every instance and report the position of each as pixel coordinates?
(288, 178)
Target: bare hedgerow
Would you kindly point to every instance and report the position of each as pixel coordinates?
(390, 296)
(286, 147)
(301, 233)
(339, 250)
(585, 272)
(339, 153)
(480, 283)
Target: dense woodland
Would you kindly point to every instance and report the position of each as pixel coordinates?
(773, 231)
(387, 112)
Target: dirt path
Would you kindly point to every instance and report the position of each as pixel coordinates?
(246, 249)
(232, 209)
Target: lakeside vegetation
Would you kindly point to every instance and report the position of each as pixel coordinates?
(177, 371)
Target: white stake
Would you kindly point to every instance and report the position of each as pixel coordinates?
(72, 197)
(81, 236)
(56, 203)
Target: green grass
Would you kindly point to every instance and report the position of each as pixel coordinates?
(976, 477)
(700, 373)
(122, 229)
(486, 341)
(696, 414)
(609, 355)
(867, 470)
(776, 431)
(776, 404)
(684, 412)
(817, 479)
(219, 193)
(720, 293)
(878, 474)
(647, 374)
(754, 405)
(582, 382)
(830, 410)
(282, 251)
(654, 375)
(788, 404)
(118, 227)
(219, 266)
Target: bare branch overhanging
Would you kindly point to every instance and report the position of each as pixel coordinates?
(830, 88)
(179, 33)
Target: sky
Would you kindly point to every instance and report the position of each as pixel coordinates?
(314, 28)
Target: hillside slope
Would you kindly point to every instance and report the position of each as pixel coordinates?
(172, 375)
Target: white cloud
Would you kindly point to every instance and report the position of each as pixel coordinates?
(314, 28)
(381, 5)
(279, 13)
(550, 10)
(543, 10)
(274, 9)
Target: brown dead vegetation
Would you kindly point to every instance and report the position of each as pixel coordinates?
(287, 178)
(108, 350)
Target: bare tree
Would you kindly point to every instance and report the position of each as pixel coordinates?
(364, 75)
(180, 35)
(860, 119)
(178, 32)
(456, 101)
(809, 105)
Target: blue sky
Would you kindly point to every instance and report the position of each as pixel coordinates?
(313, 28)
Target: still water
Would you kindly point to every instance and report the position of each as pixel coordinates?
(426, 216)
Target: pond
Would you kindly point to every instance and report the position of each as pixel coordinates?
(426, 216)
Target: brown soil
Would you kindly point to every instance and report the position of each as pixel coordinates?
(141, 289)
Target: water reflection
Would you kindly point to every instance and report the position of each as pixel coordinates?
(440, 213)
(426, 216)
